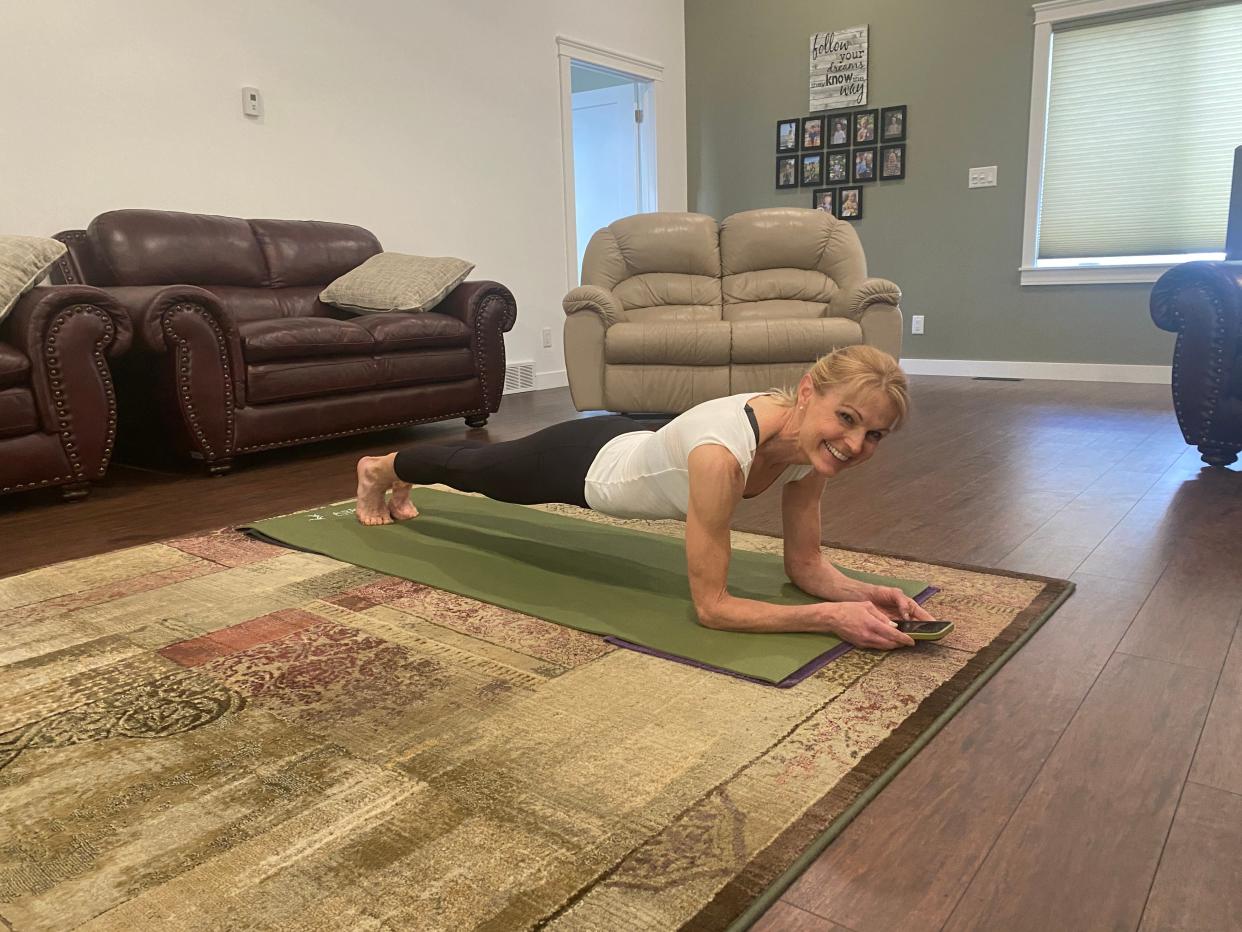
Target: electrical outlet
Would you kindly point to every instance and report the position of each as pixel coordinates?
(547, 337)
(916, 323)
(984, 177)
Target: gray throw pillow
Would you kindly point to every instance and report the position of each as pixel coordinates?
(392, 281)
(23, 261)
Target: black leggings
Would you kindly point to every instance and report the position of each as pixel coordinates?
(547, 466)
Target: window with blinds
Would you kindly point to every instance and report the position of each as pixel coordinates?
(1143, 115)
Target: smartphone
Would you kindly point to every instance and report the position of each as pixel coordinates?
(925, 630)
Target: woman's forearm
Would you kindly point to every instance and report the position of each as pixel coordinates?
(730, 613)
(825, 581)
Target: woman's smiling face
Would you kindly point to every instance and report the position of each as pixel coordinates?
(841, 427)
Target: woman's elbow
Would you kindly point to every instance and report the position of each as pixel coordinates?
(708, 615)
(798, 572)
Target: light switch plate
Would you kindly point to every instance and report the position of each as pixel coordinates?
(984, 177)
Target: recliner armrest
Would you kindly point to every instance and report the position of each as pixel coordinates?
(596, 300)
(853, 302)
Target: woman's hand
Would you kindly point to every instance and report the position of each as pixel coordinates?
(863, 625)
(896, 604)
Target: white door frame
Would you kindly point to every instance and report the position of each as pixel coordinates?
(568, 51)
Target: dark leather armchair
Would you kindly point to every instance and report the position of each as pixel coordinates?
(233, 351)
(1202, 303)
(58, 411)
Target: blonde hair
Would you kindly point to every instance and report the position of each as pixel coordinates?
(858, 368)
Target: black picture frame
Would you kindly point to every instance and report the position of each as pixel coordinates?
(887, 116)
(837, 168)
(787, 131)
(864, 166)
(843, 199)
(820, 195)
(838, 131)
(812, 133)
(887, 155)
(811, 169)
(866, 128)
(787, 179)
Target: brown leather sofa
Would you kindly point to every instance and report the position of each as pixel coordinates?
(57, 404)
(233, 351)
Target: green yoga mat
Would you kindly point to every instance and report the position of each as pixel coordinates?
(614, 581)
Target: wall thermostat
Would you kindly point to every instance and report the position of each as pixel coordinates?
(252, 102)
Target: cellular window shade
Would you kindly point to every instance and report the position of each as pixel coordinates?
(1143, 118)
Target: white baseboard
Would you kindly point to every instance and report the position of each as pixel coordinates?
(1058, 371)
(557, 378)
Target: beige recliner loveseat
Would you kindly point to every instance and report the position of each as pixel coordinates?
(675, 309)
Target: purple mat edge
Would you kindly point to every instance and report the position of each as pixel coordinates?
(792, 680)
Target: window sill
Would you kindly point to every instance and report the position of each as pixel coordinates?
(1094, 275)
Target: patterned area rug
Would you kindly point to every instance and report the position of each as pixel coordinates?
(216, 733)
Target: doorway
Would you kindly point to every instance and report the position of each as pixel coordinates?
(609, 139)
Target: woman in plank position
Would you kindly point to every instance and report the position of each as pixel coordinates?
(698, 467)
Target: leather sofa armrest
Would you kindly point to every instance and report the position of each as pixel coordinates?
(1217, 284)
(854, 302)
(882, 328)
(596, 300)
(1202, 303)
(146, 305)
(471, 302)
(489, 310)
(65, 332)
(29, 324)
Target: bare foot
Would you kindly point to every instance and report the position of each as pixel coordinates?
(374, 477)
(399, 505)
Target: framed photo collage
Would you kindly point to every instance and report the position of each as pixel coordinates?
(837, 154)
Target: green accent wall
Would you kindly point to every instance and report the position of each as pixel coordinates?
(964, 69)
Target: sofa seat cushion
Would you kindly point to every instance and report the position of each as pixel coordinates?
(703, 343)
(791, 340)
(303, 338)
(397, 331)
(14, 367)
(274, 382)
(774, 310)
(271, 382)
(440, 365)
(18, 414)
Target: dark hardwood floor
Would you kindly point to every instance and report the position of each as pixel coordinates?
(1094, 783)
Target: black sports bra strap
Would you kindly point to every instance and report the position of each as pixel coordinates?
(754, 422)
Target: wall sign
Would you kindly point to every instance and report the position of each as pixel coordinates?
(839, 69)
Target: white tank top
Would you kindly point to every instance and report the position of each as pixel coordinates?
(646, 474)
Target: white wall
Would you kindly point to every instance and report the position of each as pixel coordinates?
(436, 125)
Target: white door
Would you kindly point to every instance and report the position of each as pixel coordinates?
(609, 141)
(607, 159)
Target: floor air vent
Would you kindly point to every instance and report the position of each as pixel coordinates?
(519, 377)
